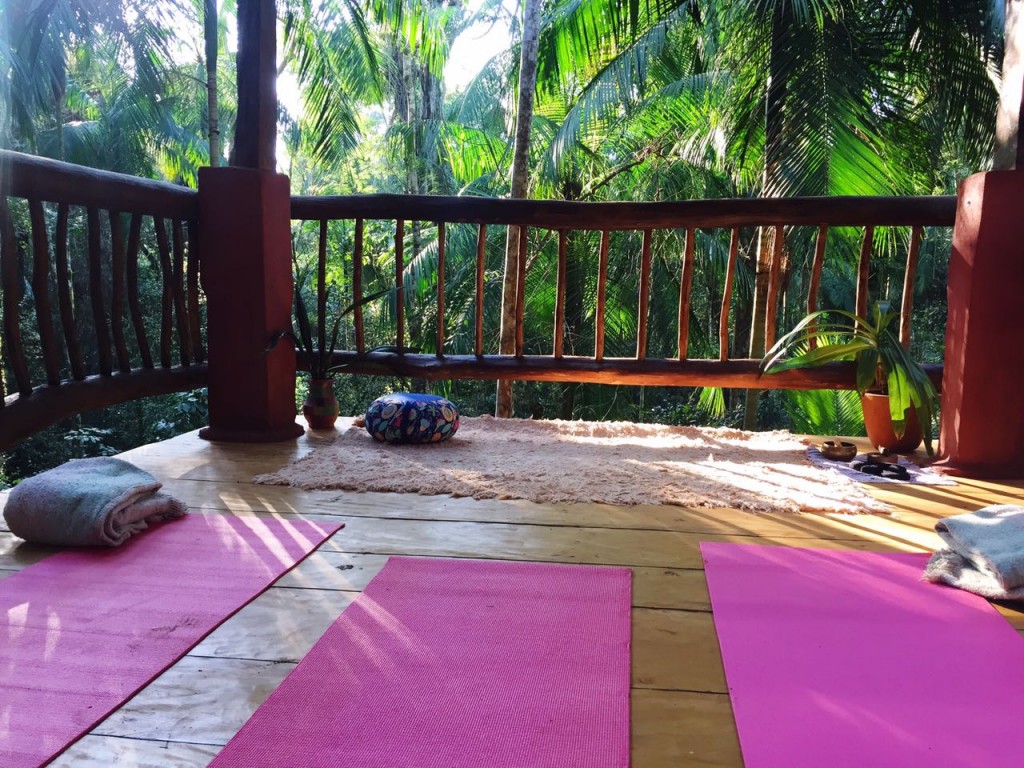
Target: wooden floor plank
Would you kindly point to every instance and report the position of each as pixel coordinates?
(673, 729)
(666, 549)
(681, 715)
(197, 701)
(282, 624)
(106, 751)
(676, 650)
(242, 497)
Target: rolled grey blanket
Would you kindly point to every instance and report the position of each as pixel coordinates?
(984, 552)
(88, 503)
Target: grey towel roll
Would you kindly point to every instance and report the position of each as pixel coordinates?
(88, 502)
(984, 552)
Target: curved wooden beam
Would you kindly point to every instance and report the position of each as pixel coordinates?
(25, 415)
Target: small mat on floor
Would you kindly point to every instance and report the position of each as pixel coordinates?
(848, 659)
(83, 630)
(917, 474)
(459, 664)
(614, 462)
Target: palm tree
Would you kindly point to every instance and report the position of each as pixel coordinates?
(42, 44)
(520, 180)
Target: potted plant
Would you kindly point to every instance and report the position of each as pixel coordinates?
(320, 406)
(897, 396)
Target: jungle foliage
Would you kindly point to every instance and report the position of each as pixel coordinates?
(652, 100)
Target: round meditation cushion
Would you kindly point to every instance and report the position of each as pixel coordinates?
(410, 417)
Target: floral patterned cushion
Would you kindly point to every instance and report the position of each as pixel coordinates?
(412, 418)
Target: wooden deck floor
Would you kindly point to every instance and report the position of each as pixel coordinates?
(681, 711)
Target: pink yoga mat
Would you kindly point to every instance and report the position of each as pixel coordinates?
(83, 630)
(459, 664)
(848, 659)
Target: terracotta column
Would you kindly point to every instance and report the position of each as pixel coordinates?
(244, 231)
(982, 431)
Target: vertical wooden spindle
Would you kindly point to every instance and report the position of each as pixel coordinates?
(167, 295)
(99, 313)
(602, 293)
(321, 289)
(815, 283)
(180, 313)
(521, 289)
(907, 306)
(11, 278)
(816, 265)
(134, 305)
(357, 288)
(863, 269)
(645, 296)
(67, 312)
(685, 284)
(481, 252)
(771, 307)
(399, 286)
(41, 292)
(117, 291)
(730, 275)
(194, 324)
(440, 287)
(563, 255)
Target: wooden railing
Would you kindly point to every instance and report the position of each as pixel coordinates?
(73, 242)
(80, 331)
(778, 217)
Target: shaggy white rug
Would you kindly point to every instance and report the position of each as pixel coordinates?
(595, 462)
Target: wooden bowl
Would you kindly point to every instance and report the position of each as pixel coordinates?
(838, 451)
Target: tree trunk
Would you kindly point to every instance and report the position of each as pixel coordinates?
(210, 31)
(775, 98)
(520, 183)
(1009, 151)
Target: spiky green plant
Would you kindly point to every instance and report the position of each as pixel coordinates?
(882, 363)
(312, 338)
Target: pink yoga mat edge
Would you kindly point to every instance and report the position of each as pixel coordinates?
(459, 663)
(846, 658)
(163, 533)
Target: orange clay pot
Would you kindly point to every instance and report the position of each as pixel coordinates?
(321, 406)
(878, 422)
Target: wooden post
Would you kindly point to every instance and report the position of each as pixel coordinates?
(256, 122)
(244, 235)
(244, 232)
(982, 430)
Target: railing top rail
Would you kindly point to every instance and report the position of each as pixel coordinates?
(698, 214)
(41, 178)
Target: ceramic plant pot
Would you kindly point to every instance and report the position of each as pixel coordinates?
(321, 406)
(878, 423)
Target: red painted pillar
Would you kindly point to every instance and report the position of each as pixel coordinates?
(244, 233)
(982, 431)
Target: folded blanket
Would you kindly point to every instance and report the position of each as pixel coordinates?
(88, 502)
(984, 552)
